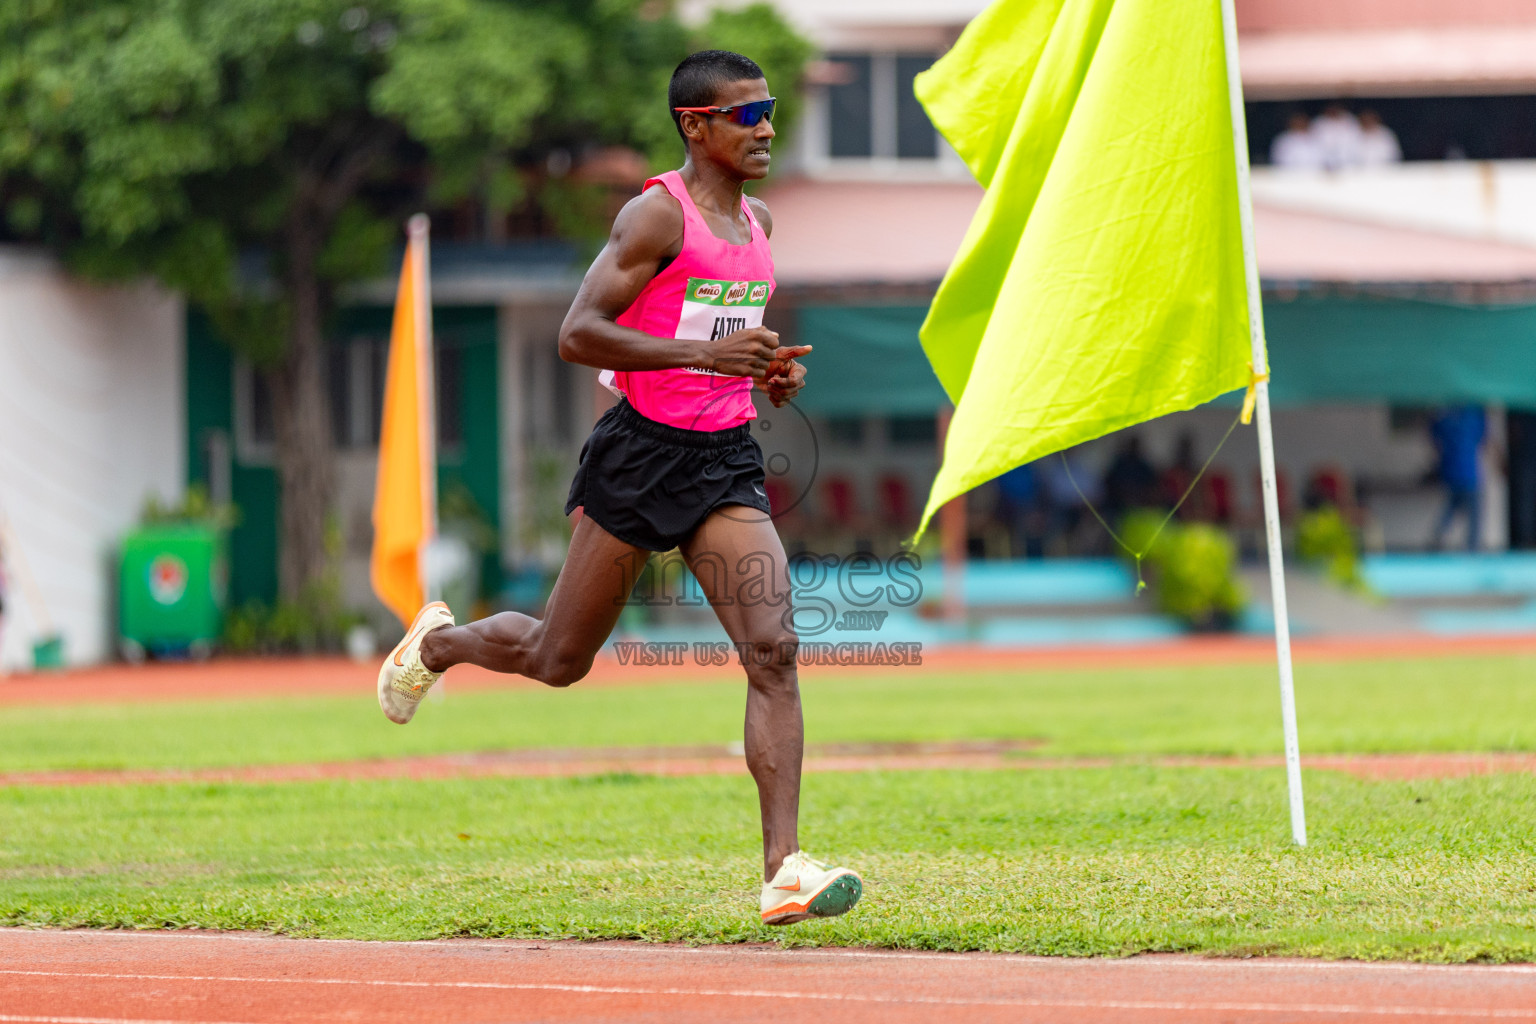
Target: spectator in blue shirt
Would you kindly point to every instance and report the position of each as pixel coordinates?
(1018, 507)
(1459, 434)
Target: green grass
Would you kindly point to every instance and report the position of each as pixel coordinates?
(1100, 861)
(1112, 860)
(1481, 703)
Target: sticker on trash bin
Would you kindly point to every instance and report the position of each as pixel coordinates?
(167, 579)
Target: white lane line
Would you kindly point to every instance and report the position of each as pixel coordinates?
(22, 1019)
(1144, 962)
(1335, 1009)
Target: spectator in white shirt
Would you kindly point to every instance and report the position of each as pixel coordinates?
(1378, 143)
(1338, 136)
(1296, 147)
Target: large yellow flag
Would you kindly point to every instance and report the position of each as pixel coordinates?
(1101, 282)
(405, 492)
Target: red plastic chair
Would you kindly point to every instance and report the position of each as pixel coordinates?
(895, 499)
(839, 501)
(779, 496)
(1331, 486)
(1219, 487)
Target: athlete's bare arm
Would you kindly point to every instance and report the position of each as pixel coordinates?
(648, 230)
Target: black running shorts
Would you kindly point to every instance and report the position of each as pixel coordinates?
(651, 485)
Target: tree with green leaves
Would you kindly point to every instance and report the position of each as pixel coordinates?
(256, 155)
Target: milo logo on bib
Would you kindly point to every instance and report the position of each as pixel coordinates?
(725, 293)
(716, 309)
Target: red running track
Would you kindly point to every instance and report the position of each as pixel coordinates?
(251, 678)
(216, 978)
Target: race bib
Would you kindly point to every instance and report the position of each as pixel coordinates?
(714, 309)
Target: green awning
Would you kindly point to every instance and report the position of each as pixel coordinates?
(867, 361)
(1322, 349)
(1408, 351)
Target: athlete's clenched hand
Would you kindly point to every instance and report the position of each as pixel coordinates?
(746, 353)
(785, 376)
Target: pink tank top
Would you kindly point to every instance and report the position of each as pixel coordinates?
(712, 289)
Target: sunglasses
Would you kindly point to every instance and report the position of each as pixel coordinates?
(748, 114)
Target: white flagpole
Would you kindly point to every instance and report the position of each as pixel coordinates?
(1266, 435)
(419, 230)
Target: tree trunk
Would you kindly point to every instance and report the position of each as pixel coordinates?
(301, 419)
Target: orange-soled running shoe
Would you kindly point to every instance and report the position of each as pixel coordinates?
(806, 888)
(404, 680)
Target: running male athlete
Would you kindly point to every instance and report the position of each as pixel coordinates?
(671, 311)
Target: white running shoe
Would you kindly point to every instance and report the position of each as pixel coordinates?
(806, 888)
(404, 680)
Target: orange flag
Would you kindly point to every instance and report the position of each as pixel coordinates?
(405, 492)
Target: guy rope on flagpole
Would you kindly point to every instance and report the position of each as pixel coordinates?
(1258, 397)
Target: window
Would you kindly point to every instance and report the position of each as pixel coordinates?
(554, 412)
(916, 138)
(354, 366)
(262, 430)
(921, 430)
(450, 396)
(849, 106)
(255, 432)
(355, 375)
(356, 387)
(1412, 420)
(845, 430)
(871, 110)
(1427, 127)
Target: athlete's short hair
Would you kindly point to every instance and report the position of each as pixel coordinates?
(699, 77)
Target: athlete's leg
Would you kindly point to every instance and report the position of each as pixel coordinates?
(558, 649)
(739, 562)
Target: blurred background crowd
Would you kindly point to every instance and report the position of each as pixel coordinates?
(1336, 139)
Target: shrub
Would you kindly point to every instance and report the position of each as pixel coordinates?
(1325, 539)
(1191, 568)
(317, 621)
(196, 507)
(1196, 577)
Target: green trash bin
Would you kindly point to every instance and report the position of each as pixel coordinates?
(172, 590)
